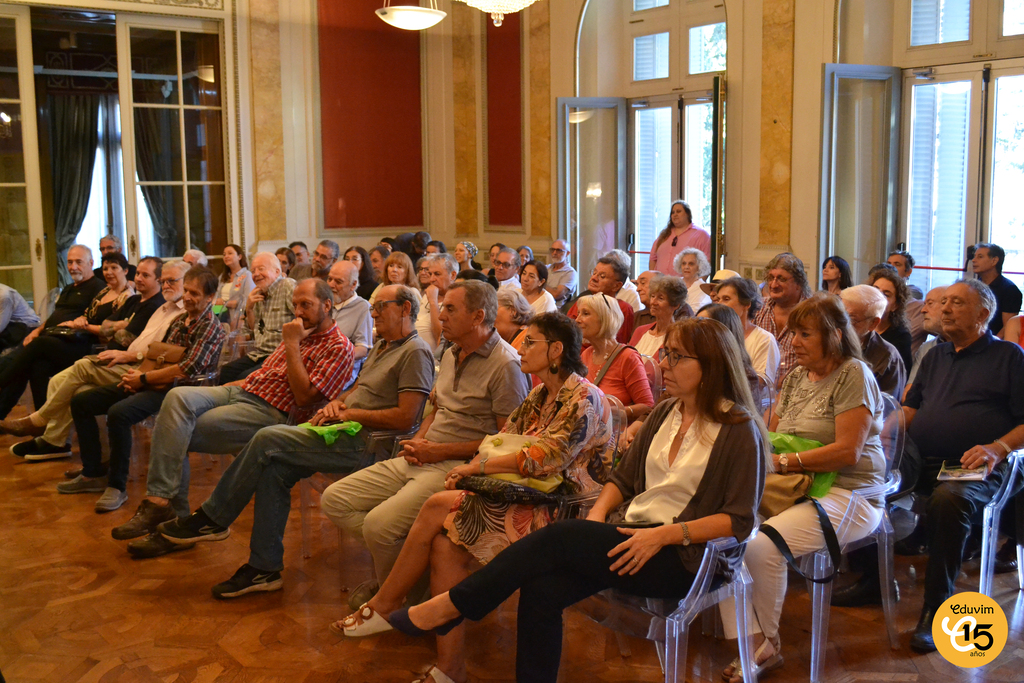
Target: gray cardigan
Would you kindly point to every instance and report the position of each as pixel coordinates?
(732, 483)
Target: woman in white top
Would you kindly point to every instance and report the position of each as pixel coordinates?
(667, 297)
(532, 278)
(742, 296)
(693, 265)
(235, 283)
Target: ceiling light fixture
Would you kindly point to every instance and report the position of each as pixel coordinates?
(499, 8)
(411, 17)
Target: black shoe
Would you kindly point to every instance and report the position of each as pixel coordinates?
(144, 522)
(922, 640)
(972, 548)
(38, 449)
(154, 545)
(909, 547)
(866, 591)
(248, 579)
(1006, 558)
(195, 527)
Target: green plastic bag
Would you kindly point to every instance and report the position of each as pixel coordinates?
(330, 432)
(790, 443)
(218, 309)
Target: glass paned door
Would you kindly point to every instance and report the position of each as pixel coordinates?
(940, 210)
(655, 175)
(21, 220)
(591, 177)
(698, 151)
(1006, 221)
(176, 122)
(860, 152)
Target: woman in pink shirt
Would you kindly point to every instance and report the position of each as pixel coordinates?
(679, 234)
(624, 377)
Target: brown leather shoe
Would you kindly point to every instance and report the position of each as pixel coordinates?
(21, 427)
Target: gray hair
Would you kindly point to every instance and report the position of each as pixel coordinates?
(516, 261)
(480, 296)
(179, 268)
(607, 310)
(404, 294)
(111, 237)
(672, 287)
(985, 295)
(792, 265)
(201, 259)
(622, 257)
(871, 298)
(517, 304)
(449, 262)
(88, 251)
(333, 246)
(703, 266)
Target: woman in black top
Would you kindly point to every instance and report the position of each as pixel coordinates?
(368, 281)
(894, 327)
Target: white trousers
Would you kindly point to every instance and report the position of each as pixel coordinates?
(801, 529)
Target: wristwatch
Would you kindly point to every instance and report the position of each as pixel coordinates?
(784, 463)
(483, 461)
(142, 378)
(140, 356)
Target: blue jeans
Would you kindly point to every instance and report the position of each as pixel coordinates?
(204, 419)
(268, 467)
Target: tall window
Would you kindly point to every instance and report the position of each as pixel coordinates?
(177, 114)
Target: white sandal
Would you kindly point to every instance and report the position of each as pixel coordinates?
(435, 675)
(769, 664)
(363, 622)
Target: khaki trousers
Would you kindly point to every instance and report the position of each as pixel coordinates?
(83, 375)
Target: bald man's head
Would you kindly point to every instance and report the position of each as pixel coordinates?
(343, 280)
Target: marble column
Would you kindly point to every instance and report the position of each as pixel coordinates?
(539, 85)
(776, 122)
(466, 73)
(267, 115)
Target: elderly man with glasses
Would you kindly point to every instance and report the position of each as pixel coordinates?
(608, 277)
(389, 394)
(506, 268)
(786, 285)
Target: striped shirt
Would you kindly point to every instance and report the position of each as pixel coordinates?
(202, 338)
(327, 357)
(765, 319)
(270, 315)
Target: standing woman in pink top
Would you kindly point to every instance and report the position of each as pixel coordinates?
(679, 234)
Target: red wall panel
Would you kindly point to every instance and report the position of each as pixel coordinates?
(504, 122)
(370, 118)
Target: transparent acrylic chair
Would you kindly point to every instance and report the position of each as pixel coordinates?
(819, 564)
(669, 625)
(990, 526)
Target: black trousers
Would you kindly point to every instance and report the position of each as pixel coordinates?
(13, 334)
(123, 410)
(554, 568)
(240, 368)
(34, 365)
(952, 510)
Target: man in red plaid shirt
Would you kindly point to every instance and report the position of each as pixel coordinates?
(312, 364)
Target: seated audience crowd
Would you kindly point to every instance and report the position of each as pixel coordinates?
(484, 383)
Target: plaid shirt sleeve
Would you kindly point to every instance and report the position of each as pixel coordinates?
(205, 341)
(330, 365)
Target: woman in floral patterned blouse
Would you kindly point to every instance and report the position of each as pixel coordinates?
(458, 531)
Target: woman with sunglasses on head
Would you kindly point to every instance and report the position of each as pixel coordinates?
(615, 368)
(456, 531)
(695, 473)
(679, 234)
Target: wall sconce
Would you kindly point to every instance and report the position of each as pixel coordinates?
(207, 73)
(411, 17)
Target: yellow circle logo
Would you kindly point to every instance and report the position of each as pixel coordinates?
(969, 630)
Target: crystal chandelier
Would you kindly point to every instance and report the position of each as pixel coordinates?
(499, 8)
(411, 17)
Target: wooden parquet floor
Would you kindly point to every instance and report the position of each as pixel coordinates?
(74, 607)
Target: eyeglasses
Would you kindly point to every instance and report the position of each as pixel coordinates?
(530, 341)
(673, 358)
(171, 280)
(503, 264)
(553, 250)
(781, 279)
(379, 305)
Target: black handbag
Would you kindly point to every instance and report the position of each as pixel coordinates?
(500, 491)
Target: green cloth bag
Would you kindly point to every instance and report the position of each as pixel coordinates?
(790, 443)
(330, 432)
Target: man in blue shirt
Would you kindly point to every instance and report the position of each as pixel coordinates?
(988, 266)
(965, 409)
(17, 318)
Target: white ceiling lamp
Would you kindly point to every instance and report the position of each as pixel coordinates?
(411, 17)
(499, 8)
